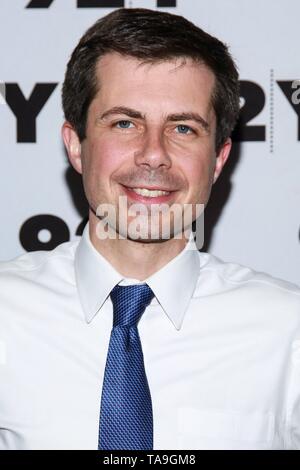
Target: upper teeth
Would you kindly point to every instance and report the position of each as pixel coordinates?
(149, 192)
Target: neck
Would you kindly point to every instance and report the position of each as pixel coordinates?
(135, 259)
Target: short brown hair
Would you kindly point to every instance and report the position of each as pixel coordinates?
(150, 36)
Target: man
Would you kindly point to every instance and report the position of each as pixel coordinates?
(131, 338)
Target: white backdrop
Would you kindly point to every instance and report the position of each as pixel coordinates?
(254, 207)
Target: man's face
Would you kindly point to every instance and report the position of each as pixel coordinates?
(151, 127)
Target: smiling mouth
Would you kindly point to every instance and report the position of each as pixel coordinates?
(148, 192)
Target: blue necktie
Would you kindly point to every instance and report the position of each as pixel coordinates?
(126, 420)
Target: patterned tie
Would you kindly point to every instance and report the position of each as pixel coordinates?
(126, 420)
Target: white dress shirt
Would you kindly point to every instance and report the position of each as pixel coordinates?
(221, 347)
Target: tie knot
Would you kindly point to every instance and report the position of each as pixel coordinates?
(129, 303)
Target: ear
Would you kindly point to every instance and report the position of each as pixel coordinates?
(221, 159)
(72, 145)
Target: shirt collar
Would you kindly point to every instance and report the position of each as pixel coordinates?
(173, 285)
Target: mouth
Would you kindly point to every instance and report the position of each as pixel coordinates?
(149, 194)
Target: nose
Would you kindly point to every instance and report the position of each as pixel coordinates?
(153, 153)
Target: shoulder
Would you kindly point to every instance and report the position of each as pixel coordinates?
(230, 275)
(37, 291)
(254, 294)
(38, 265)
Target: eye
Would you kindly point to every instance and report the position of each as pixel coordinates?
(182, 129)
(124, 124)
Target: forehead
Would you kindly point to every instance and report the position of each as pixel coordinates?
(180, 82)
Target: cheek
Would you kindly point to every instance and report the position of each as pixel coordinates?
(197, 172)
(102, 158)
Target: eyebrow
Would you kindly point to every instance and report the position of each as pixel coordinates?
(122, 110)
(132, 113)
(190, 117)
